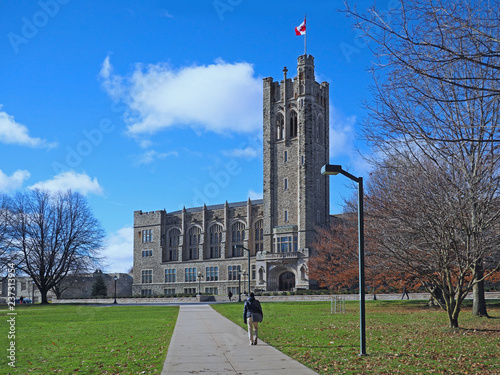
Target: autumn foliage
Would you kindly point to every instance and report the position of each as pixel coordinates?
(334, 263)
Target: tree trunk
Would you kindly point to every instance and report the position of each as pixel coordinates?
(453, 311)
(478, 299)
(43, 294)
(453, 322)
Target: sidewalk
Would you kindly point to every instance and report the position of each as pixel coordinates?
(205, 342)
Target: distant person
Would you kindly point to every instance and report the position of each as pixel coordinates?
(21, 299)
(230, 295)
(252, 316)
(405, 293)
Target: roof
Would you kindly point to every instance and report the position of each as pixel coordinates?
(220, 206)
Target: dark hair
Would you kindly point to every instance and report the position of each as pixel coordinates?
(251, 294)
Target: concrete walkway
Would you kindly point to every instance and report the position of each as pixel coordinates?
(205, 342)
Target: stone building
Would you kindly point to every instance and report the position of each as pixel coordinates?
(213, 249)
(72, 286)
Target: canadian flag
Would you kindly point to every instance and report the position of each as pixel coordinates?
(301, 29)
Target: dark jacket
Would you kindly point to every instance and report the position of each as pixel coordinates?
(251, 306)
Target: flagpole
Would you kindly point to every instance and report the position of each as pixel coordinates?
(305, 36)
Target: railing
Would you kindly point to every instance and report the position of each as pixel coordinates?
(287, 255)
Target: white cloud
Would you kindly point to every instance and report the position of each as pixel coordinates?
(13, 182)
(11, 132)
(166, 13)
(106, 68)
(254, 195)
(342, 133)
(221, 97)
(249, 153)
(150, 156)
(119, 251)
(77, 182)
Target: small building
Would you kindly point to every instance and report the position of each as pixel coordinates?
(73, 286)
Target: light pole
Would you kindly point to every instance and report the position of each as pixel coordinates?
(244, 248)
(244, 279)
(200, 276)
(334, 170)
(115, 278)
(33, 291)
(239, 286)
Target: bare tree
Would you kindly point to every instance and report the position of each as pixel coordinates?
(54, 235)
(436, 93)
(427, 37)
(419, 213)
(5, 256)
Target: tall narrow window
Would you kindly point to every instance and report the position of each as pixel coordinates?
(286, 216)
(293, 124)
(285, 183)
(259, 236)
(280, 123)
(285, 156)
(173, 244)
(238, 237)
(194, 241)
(215, 240)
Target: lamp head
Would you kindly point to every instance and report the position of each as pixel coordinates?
(331, 169)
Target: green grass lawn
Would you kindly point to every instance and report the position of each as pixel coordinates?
(79, 339)
(402, 337)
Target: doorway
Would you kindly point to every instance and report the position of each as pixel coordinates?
(287, 281)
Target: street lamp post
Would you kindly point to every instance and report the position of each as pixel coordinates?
(239, 286)
(200, 276)
(115, 278)
(33, 291)
(334, 170)
(244, 280)
(248, 250)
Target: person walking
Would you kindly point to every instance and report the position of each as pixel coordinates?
(252, 316)
(230, 295)
(405, 292)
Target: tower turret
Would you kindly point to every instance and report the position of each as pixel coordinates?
(296, 143)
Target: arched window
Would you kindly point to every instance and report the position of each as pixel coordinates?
(280, 123)
(261, 274)
(173, 244)
(293, 124)
(259, 236)
(238, 237)
(193, 242)
(215, 240)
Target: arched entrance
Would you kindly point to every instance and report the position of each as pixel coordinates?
(287, 281)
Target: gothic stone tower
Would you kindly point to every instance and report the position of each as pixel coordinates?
(296, 195)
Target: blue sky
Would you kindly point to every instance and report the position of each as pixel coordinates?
(148, 105)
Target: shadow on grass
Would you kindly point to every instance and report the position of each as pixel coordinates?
(315, 346)
(479, 330)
